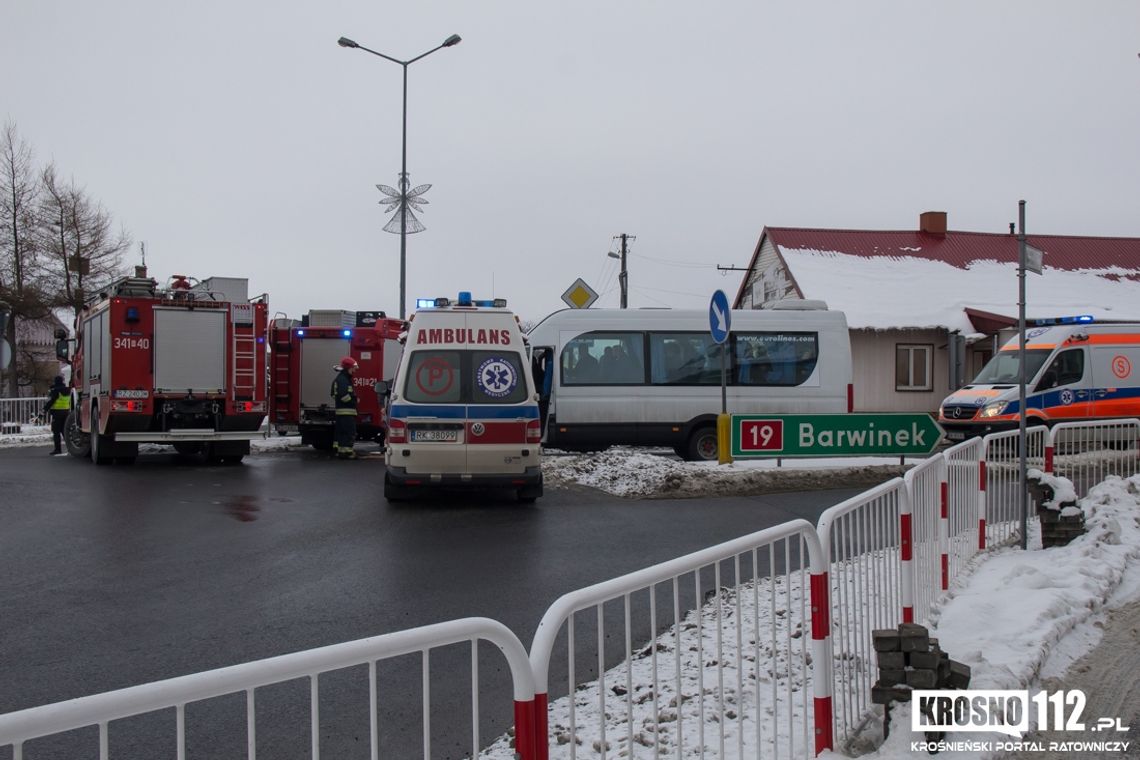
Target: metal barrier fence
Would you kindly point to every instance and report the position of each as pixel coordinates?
(1002, 480)
(925, 523)
(15, 412)
(865, 541)
(1088, 452)
(757, 631)
(19, 728)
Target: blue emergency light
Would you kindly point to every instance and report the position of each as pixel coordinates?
(1072, 320)
(347, 333)
(300, 333)
(425, 303)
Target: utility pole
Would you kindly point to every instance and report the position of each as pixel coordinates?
(623, 276)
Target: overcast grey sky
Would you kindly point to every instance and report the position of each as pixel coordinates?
(237, 139)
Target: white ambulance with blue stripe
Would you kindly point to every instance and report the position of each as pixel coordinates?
(462, 407)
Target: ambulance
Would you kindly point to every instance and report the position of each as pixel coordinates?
(1075, 370)
(463, 408)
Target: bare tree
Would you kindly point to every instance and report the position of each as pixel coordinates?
(80, 247)
(19, 201)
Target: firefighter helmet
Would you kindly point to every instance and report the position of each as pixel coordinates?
(347, 362)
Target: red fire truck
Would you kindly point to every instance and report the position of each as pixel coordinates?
(180, 364)
(304, 355)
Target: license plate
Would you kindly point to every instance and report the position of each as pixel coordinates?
(956, 436)
(441, 436)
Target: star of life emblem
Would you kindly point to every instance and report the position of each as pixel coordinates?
(497, 377)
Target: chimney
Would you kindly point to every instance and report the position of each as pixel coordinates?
(140, 271)
(932, 223)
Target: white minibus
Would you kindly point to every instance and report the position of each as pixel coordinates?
(652, 377)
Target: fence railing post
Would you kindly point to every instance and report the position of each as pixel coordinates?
(906, 553)
(824, 718)
(944, 523)
(982, 501)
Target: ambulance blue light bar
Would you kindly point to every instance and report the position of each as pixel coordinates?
(464, 299)
(1077, 319)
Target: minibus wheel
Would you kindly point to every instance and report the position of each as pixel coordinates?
(702, 445)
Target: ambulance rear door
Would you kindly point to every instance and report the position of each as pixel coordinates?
(432, 408)
(501, 397)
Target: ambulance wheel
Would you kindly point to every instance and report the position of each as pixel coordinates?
(78, 443)
(702, 445)
(99, 443)
(393, 492)
(529, 494)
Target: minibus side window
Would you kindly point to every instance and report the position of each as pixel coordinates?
(775, 358)
(683, 359)
(604, 358)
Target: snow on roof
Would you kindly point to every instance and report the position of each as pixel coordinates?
(884, 292)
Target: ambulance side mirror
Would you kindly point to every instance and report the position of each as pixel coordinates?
(381, 388)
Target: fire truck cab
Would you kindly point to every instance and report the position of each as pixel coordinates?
(182, 364)
(304, 355)
(463, 408)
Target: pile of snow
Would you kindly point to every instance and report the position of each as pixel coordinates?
(633, 472)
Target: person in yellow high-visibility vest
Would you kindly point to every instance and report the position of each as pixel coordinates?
(58, 406)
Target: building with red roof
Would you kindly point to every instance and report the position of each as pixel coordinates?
(928, 307)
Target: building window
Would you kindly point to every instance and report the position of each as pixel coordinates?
(913, 364)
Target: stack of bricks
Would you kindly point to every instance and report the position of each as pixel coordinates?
(1060, 523)
(909, 658)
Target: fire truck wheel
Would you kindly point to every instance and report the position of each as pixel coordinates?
(99, 443)
(78, 442)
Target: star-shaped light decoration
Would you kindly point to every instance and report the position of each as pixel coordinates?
(408, 199)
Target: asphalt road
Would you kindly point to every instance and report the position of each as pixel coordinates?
(116, 576)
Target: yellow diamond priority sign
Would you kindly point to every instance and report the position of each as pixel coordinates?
(579, 295)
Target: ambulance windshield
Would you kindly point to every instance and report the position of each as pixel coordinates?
(1003, 368)
(462, 376)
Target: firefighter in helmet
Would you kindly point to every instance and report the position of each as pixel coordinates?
(58, 406)
(344, 398)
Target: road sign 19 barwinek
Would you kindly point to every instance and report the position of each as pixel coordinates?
(823, 435)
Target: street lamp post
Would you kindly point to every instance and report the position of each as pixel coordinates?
(347, 43)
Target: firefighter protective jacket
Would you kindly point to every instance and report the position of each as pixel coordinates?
(343, 393)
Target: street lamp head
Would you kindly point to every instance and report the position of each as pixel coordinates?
(346, 42)
(454, 39)
(613, 255)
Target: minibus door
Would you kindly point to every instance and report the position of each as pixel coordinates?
(542, 365)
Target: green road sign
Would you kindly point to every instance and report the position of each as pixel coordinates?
(831, 435)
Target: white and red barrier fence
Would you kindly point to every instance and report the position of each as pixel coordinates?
(25, 726)
(752, 605)
(785, 613)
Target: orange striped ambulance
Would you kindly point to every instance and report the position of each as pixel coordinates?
(1074, 372)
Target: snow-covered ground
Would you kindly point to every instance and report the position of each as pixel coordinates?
(1019, 619)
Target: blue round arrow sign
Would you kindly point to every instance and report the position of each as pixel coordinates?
(720, 317)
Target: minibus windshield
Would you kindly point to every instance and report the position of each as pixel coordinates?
(1003, 369)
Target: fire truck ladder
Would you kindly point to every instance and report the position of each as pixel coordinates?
(245, 361)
